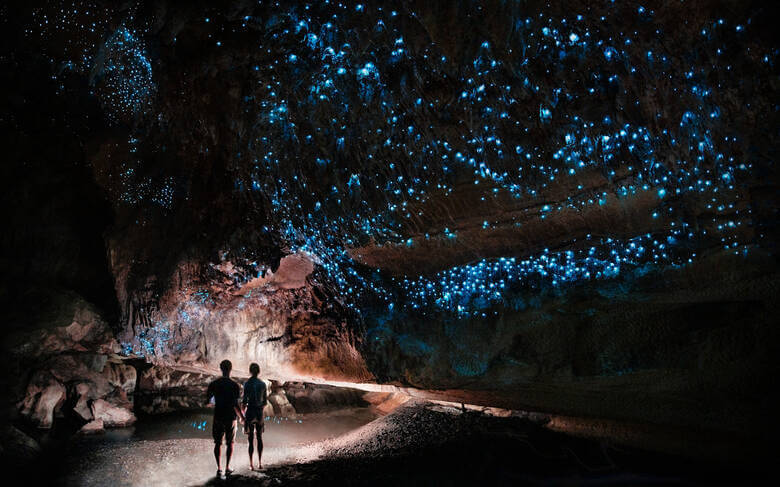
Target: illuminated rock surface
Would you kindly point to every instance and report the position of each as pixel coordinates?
(568, 207)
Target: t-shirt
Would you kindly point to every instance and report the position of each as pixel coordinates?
(225, 392)
(255, 396)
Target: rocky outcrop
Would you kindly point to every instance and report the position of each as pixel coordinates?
(385, 402)
(110, 415)
(159, 379)
(84, 386)
(280, 321)
(93, 427)
(65, 323)
(42, 401)
(314, 398)
(281, 406)
(164, 389)
(82, 408)
(71, 356)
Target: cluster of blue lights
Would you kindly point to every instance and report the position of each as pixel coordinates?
(171, 332)
(116, 61)
(474, 288)
(124, 74)
(568, 98)
(361, 120)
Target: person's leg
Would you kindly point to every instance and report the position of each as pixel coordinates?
(251, 433)
(260, 429)
(230, 435)
(217, 432)
(228, 454)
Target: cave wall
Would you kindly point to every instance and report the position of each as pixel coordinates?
(59, 308)
(692, 346)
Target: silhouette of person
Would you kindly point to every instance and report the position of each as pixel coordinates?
(226, 393)
(255, 399)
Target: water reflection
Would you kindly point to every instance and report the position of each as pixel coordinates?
(279, 430)
(176, 448)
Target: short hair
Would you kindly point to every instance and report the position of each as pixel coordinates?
(226, 366)
(254, 369)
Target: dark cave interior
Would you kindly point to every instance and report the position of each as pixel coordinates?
(534, 241)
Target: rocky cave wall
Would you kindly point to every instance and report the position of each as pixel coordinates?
(450, 196)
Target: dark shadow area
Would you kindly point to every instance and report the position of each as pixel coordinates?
(478, 450)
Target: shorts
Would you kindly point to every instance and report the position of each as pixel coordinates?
(223, 428)
(254, 425)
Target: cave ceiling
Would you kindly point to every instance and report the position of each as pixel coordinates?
(414, 160)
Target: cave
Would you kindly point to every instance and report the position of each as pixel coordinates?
(500, 242)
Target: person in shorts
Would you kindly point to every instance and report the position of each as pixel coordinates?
(255, 399)
(226, 393)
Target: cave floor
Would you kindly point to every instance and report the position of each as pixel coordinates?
(420, 443)
(176, 449)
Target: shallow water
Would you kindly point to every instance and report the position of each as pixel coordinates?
(176, 448)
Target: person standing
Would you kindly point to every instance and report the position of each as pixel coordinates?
(255, 399)
(226, 393)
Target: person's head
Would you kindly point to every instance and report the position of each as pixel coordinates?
(226, 367)
(254, 369)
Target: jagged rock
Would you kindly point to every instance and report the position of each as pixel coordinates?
(70, 324)
(112, 416)
(166, 403)
(164, 389)
(93, 427)
(44, 395)
(121, 376)
(49, 399)
(160, 378)
(91, 381)
(281, 405)
(82, 408)
(310, 398)
(86, 368)
(268, 410)
(385, 402)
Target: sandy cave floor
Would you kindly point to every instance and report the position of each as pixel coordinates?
(420, 443)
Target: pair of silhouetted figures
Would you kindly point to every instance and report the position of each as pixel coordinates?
(230, 407)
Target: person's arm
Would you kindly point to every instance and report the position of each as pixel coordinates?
(265, 396)
(239, 412)
(245, 400)
(209, 394)
(237, 405)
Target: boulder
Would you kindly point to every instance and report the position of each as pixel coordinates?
(385, 402)
(87, 368)
(313, 398)
(281, 405)
(93, 427)
(50, 399)
(78, 327)
(161, 378)
(268, 410)
(81, 407)
(112, 416)
(121, 376)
